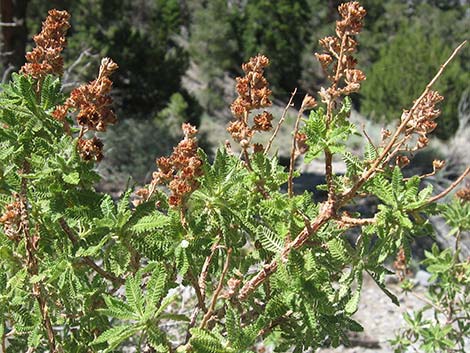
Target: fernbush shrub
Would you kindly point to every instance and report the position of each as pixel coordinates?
(83, 273)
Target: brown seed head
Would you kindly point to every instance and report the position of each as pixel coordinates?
(438, 164)
(402, 161)
(301, 142)
(92, 101)
(253, 93)
(309, 102)
(46, 57)
(337, 60)
(352, 14)
(11, 220)
(422, 119)
(258, 148)
(464, 193)
(91, 149)
(262, 122)
(179, 171)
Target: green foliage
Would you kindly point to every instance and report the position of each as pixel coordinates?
(403, 70)
(267, 31)
(141, 311)
(213, 48)
(442, 324)
(140, 37)
(320, 137)
(87, 272)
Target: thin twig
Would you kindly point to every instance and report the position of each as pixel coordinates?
(326, 213)
(216, 294)
(195, 284)
(202, 286)
(4, 343)
(281, 121)
(7, 72)
(275, 323)
(450, 188)
(351, 192)
(246, 156)
(423, 176)
(427, 301)
(32, 262)
(67, 73)
(329, 119)
(86, 259)
(11, 24)
(350, 221)
(205, 267)
(200, 305)
(368, 138)
(290, 183)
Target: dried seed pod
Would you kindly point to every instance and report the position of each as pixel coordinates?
(253, 93)
(46, 57)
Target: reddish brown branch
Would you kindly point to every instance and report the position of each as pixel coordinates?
(32, 263)
(281, 121)
(87, 260)
(451, 187)
(205, 268)
(326, 214)
(351, 192)
(216, 294)
(355, 222)
(290, 183)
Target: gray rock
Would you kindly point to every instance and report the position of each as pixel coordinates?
(422, 278)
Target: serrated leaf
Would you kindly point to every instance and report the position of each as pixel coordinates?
(92, 250)
(270, 240)
(118, 309)
(115, 336)
(150, 223)
(72, 178)
(107, 206)
(134, 294)
(165, 303)
(156, 286)
(353, 303)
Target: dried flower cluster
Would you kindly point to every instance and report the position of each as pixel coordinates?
(401, 269)
(402, 161)
(422, 118)
(464, 193)
(11, 220)
(179, 171)
(353, 14)
(93, 104)
(90, 149)
(253, 93)
(338, 51)
(46, 57)
(301, 142)
(438, 164)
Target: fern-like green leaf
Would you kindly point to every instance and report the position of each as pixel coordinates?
(151, 223)
(134, 294)
(156, 287)
(118, 309)
(270, 240)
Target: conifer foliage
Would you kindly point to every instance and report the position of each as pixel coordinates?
(81, 272)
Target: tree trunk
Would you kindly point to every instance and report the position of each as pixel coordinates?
(14, 34)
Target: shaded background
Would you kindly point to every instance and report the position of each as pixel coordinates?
(178, 60)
